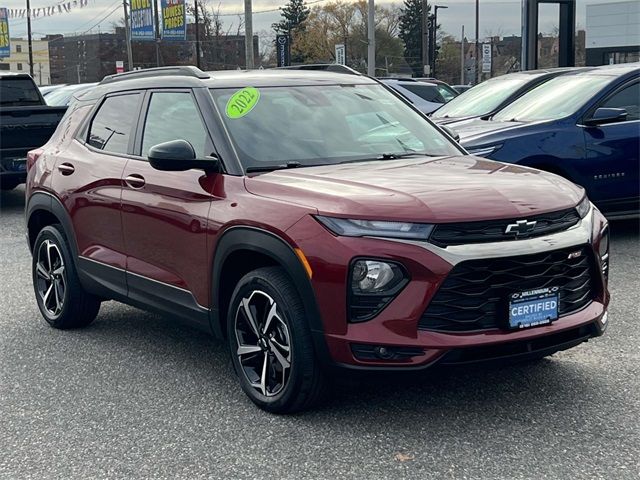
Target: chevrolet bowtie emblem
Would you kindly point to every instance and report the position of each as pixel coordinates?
(521, 227)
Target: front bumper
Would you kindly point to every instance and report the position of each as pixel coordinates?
(396, 327)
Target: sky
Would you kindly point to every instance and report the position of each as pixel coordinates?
(497, 17)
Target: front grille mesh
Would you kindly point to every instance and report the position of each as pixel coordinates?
(446, 234)
(475, 294)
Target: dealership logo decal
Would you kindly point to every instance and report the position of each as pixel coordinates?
(521, 227)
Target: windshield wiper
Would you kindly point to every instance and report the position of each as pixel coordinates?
(269, 168)
(396, 156)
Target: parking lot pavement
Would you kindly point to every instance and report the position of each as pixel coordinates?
(137, 396)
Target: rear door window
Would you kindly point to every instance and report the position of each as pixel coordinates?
(111, 128)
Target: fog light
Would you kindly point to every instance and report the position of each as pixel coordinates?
(371, 276)
(605, 318)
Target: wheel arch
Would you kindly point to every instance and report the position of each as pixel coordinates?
(44, 209)
(243, 249)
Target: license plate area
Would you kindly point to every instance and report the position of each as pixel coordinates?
(533, 308)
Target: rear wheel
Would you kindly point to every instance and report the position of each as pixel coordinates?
(270, 343)
(61, 299)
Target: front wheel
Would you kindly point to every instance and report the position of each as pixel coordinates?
(270, 342)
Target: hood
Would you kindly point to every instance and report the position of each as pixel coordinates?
(443, 189)
(478, 132)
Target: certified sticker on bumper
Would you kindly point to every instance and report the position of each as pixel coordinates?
(533, 308)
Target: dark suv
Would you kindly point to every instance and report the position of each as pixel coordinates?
(313, 220)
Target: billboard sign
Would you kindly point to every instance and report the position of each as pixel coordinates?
(174, 20)
(282, 49)
(5, 42)
(142, 24)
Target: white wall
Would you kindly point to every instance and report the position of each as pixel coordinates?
(613, 24)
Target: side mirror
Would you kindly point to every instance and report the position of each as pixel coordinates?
(451, 132)
(179, 156)
(603, 116)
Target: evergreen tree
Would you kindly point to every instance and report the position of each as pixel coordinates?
(411, 34)
(294, 15)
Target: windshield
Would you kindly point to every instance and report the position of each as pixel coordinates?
(483, 98)
(557, 98)
(324, 124)
(18, 91)
(430, 93)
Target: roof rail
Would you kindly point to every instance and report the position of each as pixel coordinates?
(186, 71)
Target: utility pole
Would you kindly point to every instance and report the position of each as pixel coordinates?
(426, 69)
(78, 72)
(371, 44)
(477, 41)
(29, 38)
(127, 35)
(462, 57)
(195, 4)
(434, 37)
(248, 34)
(155, 12)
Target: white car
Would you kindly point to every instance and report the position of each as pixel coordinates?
(425, 96)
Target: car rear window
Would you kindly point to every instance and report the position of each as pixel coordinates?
(18, 91)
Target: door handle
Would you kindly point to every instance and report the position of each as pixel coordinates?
(135, 181)
(66, 168)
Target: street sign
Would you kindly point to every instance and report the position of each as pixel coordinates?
(486, 58)
(119, 66)
(341, 54)
(282, 49)
(5, 42)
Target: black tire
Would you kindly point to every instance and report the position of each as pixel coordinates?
(304, 385)
(77, 308)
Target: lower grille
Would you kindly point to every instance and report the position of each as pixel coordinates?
(475, 294)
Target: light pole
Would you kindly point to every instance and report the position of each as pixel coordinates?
(248, 34)
(477, 41)
(435, 33)
(371, 33)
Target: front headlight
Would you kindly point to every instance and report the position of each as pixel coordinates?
(484, 151)
(373, 228)
(583, 207)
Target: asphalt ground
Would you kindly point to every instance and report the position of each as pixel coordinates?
(136, 395)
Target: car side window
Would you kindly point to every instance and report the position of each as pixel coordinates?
(627, 98)
(175, 116)
(111, 127)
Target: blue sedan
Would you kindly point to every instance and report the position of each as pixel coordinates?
(583, 126)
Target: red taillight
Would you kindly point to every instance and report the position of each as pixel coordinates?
(33, 156)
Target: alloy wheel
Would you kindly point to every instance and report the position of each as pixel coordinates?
(50, 278)
(263, 343)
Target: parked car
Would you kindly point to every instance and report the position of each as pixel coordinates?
(584, 126)
(47, 89)
(327, 67)
(26, 122)
(426, 97)
(461, 88)
(492, 95)
(448, 91)
(313, 220)
(63, 96)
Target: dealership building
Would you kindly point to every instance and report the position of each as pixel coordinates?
(613, 33)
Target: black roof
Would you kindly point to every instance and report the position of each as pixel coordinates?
(189, 77)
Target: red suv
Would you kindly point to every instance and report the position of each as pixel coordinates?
(313, 220)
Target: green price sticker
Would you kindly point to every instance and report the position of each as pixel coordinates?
(242, 102)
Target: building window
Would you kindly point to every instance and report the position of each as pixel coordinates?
(18, 49)
(19, 66)
(4, 66)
